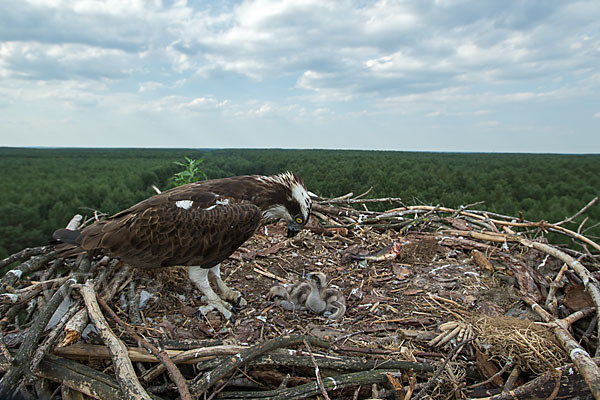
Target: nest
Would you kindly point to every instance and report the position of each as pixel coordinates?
(406, 273)
(526, 344)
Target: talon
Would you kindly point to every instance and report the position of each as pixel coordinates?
(203, 310)
(240, 303)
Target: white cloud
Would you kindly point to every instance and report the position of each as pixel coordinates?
(302, 62)
(597, 115)
(62, 61)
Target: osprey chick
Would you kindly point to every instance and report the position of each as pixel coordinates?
(198, 225)
(322, 299)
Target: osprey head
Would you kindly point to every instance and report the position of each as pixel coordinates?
(316, 279)
(293, 203)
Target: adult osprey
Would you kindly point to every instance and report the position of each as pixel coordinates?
(198, 225)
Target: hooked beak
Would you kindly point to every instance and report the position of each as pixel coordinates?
(293, 229)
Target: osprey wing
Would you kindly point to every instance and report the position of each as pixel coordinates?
(176, 228)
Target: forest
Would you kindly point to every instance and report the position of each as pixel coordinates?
(43, 188)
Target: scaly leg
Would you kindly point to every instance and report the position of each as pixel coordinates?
(199, 276)
(233, 296)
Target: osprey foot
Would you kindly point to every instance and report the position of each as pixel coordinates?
(215, 304)
(203, 310)
(239, 305)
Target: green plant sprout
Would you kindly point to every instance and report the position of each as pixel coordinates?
(191, 172)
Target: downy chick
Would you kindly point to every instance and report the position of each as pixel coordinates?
(292, 298)
(336, 303)
(322, 300)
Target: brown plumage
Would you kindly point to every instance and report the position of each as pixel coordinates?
(197, 225)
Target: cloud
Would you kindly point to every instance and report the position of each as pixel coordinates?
(303, 62)
(597, 115)
(38, 61)
(377, 47)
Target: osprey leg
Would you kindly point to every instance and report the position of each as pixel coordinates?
(199, 276)
(227, 293)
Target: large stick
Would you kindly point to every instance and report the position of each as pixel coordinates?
(21, 364)
(160, 354)
(206, 381)
(582, 360)
(125, 374)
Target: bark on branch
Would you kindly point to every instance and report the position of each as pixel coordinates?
(124, 371)
(206, 381)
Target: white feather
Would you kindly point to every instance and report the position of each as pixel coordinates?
(185, 204)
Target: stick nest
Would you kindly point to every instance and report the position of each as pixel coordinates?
(464, 268)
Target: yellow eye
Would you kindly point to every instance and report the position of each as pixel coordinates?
(299, 220)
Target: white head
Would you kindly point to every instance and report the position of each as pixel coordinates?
(291, 204)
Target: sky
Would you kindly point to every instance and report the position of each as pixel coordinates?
(422, 75)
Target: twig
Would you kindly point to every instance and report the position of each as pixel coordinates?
(53, 336)
(582, 360)
(33, 264)
(21, 364)
(133, 302)
(441, 368)
(551, 301)
(192, 356)
(588, 281)
(556, 386)
(4, 349)
(24, 254)
(81, 351)
(160, 354)
(512, 378)
(411, 388)
(463, 208)
(363, 194)
(317, 374)
(202, 383)
(544, 386)
(268, 274)
(79, 377)
(311, 389)
(340, 363)
(577, 315)
(29, 292)
(124, 371)
(353, 201)
(569, 219)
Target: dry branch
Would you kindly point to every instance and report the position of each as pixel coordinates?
(206, 381)
(337, 363)
(81, 351)
(124, 371)
(33, 264)
(160, 354)
(569, 386)
(21, 364)
(570, 219)
(582, 360)
(311, 389)
(24, 254)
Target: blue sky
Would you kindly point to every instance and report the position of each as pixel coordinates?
(423, 75)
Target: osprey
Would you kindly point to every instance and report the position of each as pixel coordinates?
(198, 225)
